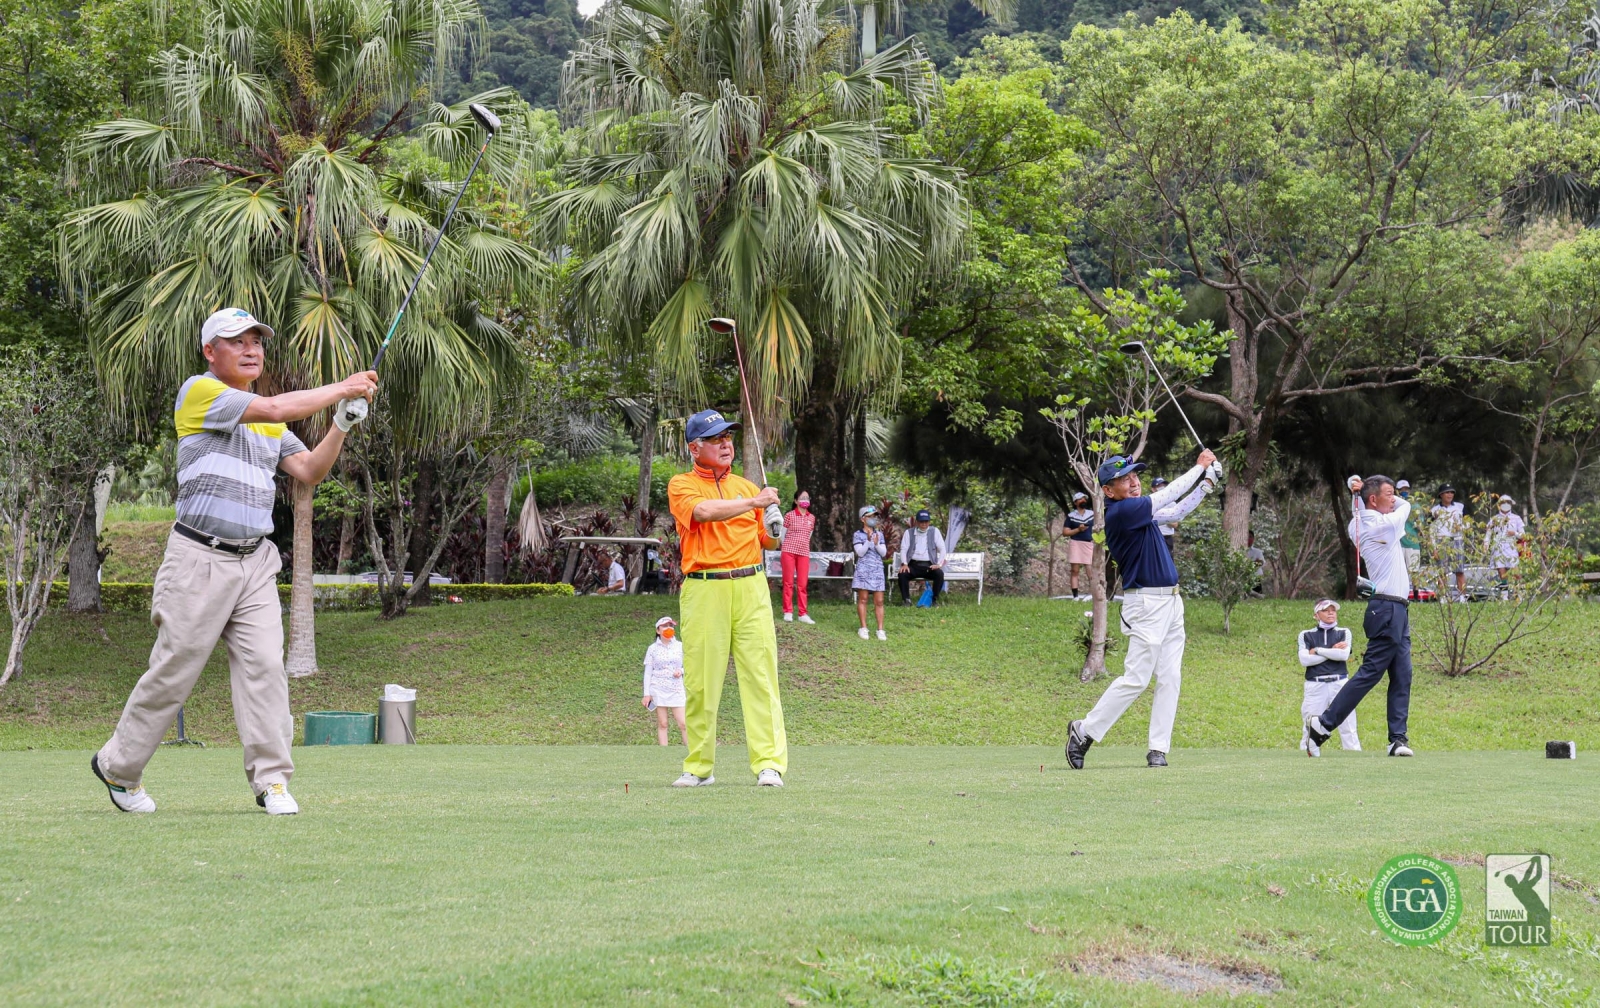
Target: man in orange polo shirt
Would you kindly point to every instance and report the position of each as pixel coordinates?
(726, 605)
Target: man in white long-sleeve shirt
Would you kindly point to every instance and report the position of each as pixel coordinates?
(1324, 651)
(1378, 525)
(921, 556)
(1152, 610)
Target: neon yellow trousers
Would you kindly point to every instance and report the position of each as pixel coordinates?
(719, 618)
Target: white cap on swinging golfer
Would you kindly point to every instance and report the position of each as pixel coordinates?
(230, 322)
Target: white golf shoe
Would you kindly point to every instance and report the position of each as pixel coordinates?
(126, 799)
(769, 778)
(1399, 749)
(691, 780)
(882, 635)
(277, 800)
(805, 618)
(863, 633)
(1311, 748)
(788, 617)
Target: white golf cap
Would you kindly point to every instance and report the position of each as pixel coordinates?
(1403, 485)
(1506, 499)
(665, 621)
(231, 322)
(1326, 603)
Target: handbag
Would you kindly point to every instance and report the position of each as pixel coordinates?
(925, 601)
(835, 568)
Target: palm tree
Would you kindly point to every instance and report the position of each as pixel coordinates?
(290, 163)
(737, 165)
(879, 12)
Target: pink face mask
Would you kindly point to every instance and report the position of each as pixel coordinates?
(803, 505)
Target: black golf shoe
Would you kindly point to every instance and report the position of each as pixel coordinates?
(1317, 735)
(1155, 757)
(1078, 743)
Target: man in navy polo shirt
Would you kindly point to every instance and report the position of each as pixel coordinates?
(1152, 610)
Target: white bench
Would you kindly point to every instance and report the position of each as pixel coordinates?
(957, 567)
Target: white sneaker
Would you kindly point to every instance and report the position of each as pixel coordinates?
(788, 617)
(277, 800)
(1311, 748)
(126, 799)
(1399, 749)
(882, 635)
(863, 634)
(804, 618)
(690, 780)
(769, 778)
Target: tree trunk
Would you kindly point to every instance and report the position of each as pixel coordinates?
(83, 559)
(494, 526)
(422, 517)
(869, 30)
(302, 657)
(647, 458)
(858, 452)
(347, 543)
(821, 465)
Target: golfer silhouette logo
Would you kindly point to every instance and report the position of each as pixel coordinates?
(1518, 899)
(1415, 899)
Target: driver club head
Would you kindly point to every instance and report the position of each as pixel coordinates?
(488, 120)
(1132, 348)
(722, 326)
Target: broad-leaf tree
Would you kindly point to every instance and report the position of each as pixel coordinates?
(290, 163)
(738, 166)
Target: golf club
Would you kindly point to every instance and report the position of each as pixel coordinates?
(728, 327)
(1514, 867)
(356, 409)
(1134, 348)
(1365, 589)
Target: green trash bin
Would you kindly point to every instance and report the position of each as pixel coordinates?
(337, 727)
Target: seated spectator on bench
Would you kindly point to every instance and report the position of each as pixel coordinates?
(922, 555)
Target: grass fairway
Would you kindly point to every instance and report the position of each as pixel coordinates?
(526, 875)
(567, 671)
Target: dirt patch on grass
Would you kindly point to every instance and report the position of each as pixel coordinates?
(1182, 973)
(1471, 860)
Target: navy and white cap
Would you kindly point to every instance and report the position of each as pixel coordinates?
(1118, 466)
(230, 322)
(868, 510)
(924, 515)
(1159, 482)
(707, 423)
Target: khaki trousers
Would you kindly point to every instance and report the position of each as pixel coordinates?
(202, 595)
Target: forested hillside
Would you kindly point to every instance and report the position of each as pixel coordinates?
(528, 39)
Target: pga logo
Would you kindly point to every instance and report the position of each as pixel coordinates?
(1415, 899)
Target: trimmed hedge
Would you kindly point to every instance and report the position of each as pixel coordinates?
(121, 597)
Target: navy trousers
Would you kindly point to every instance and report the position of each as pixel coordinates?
(1388, 629)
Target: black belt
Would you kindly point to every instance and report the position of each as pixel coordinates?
(1393, 598)
(241, 547)
(727, 575)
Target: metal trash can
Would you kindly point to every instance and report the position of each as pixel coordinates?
(397, 722)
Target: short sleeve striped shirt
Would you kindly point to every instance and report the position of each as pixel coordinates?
(225, 468)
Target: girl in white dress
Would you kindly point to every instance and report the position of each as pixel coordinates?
(663, 678)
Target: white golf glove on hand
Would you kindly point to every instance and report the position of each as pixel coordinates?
(774, 521)
(1214, 473)
(349, 412)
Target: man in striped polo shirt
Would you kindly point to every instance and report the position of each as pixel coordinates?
(219, 577)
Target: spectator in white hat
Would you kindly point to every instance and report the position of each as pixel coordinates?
(1325, 656)
(1504, 537)
(1079, 529)
(663, 679)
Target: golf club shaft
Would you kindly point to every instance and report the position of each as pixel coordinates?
(1159, 377)
(437, 238)
(750, 413)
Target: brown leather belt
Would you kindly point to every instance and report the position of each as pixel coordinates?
(727, 575)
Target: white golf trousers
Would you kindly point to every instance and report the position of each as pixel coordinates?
(1154, 627)
(1318, 696)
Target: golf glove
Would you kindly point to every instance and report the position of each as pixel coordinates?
(349, 412)
(1351, 483)
(774, 521)
(1214, 473)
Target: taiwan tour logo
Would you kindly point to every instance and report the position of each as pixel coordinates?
(1518, 890)
(1415, 899)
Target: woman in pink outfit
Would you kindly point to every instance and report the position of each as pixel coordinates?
(796, 555)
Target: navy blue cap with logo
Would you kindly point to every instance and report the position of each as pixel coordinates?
(1118, 466)
(924, 516)
(707, 423)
